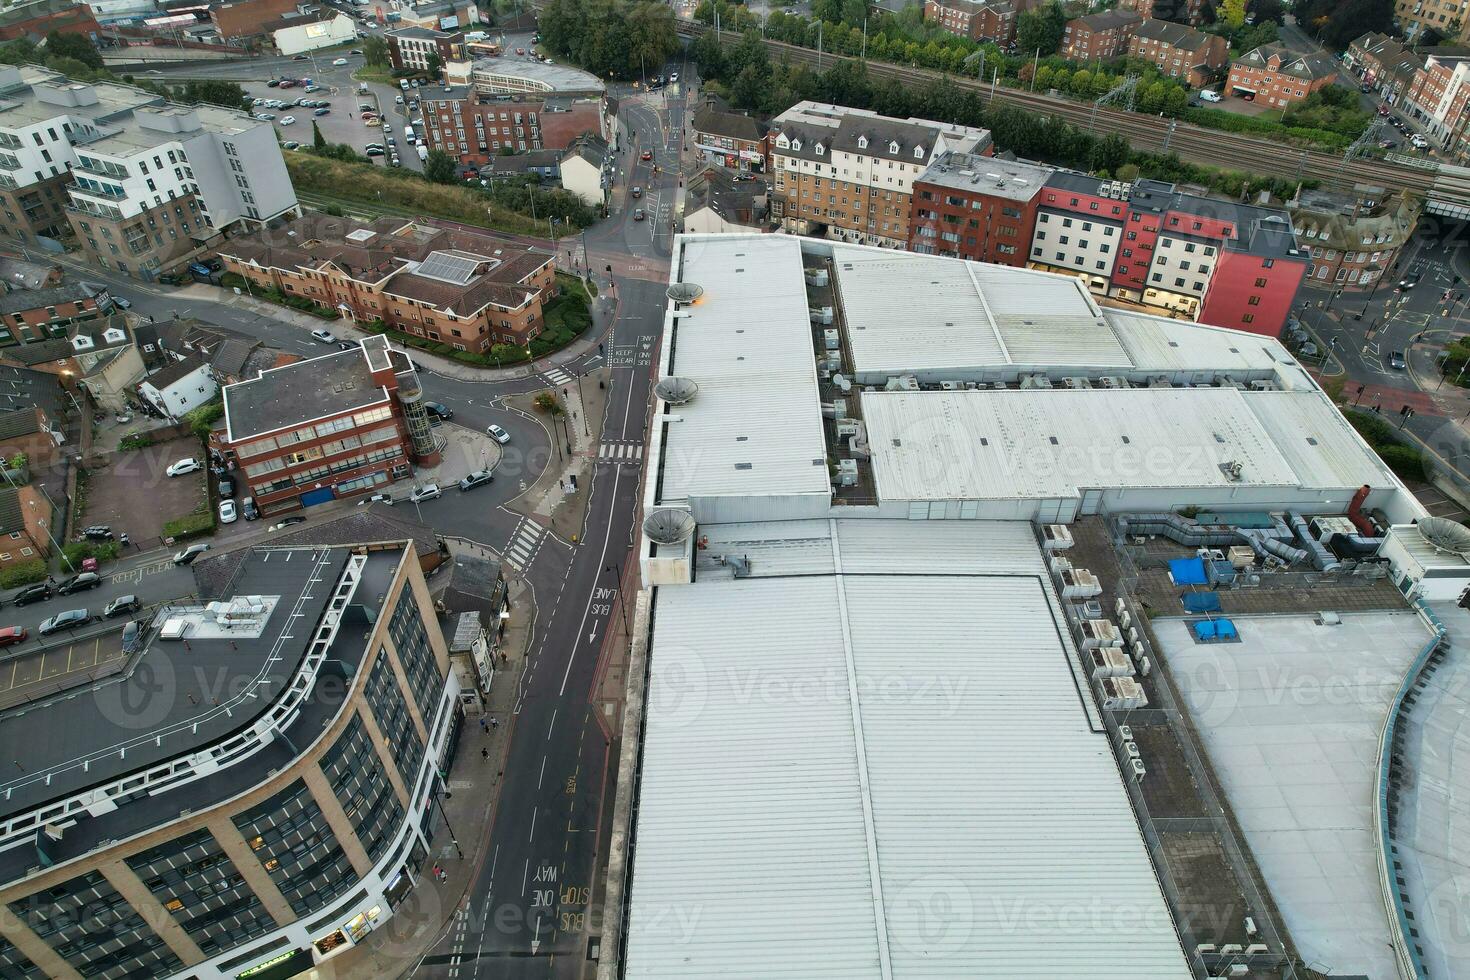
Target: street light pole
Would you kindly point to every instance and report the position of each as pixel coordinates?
(441, 796)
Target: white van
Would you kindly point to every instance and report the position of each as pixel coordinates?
(1209, 95)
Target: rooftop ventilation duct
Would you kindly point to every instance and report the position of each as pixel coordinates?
(676, 391)
(668, 525)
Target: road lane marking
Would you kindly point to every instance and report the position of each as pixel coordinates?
(534, 811)
(542, 774)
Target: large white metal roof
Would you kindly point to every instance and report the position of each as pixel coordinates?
(989, 445)
(1319, 444)
(756, 424)
(877, 773)
(1156, 343)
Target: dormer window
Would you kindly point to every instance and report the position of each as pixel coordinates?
(862, 142)
(919, 152)
(113, 335)
(782, 141)
(893, 146)
(820, 149)
(796, 145)
(81, 342)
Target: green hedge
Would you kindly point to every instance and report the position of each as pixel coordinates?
(26, 572)
(1404, 459)
(137, 440)
(76, 551)
(194, 525)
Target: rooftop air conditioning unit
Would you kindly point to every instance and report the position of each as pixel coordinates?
(1056, 537)
(1264, 385)
(1059, 565)
(950, 386)
(847, 472)
(1079, 583)
(1111, 382)
(831, 339)
(821, 314)
(1077, 383)
(1125, 732)
(848, 427)
(1138, 769)
(1035, 381)
(816, 277)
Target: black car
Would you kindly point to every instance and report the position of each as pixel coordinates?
(122, 606)
(79, 583)
(439, 411)
(97, 532)
(32, 593)
(249, 510)
(226, 487)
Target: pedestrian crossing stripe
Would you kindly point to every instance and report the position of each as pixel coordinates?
(558, 377)
(523, 544)
(620, 450)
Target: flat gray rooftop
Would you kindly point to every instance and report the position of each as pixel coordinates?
(299, 393)
(1432, 831)
(1290, 718)
(174, 698)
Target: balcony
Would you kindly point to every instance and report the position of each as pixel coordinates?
(94, 210)
(99, 193)
(100, 169)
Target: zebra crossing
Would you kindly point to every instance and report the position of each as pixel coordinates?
(525, 543)
(557, 376)
(620, 452)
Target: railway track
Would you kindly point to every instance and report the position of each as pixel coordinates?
(1444, 186)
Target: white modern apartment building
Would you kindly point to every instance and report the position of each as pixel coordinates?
(143, 184)
(849, 173)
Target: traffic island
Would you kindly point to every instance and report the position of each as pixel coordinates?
(559, 495)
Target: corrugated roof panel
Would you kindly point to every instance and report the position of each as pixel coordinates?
(1160, 344)
(1321, 446)
(1029, 444)
(747, 342)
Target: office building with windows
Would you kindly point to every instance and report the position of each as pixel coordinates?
(249, 792)
(144, 185)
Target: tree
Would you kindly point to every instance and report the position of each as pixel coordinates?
(1273, 11)
(76, 46)
(434, 64)
(546, 402)
(1041, 29)
(439, 167)
(317, 139)
(227, 94)
(1338, 22)
(1232, 13)
(375, 51)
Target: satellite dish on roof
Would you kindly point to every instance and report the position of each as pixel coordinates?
(668, 525)
(676, 391)
(685, 292)
(1444, 534)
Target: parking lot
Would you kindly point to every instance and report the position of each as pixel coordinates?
(36, 672)
(133, 495)
(343, 122)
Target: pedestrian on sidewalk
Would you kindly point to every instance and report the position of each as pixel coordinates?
(485, 754)
(438, 872)
(494, 722)
(483, 726)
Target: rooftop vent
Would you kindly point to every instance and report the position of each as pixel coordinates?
(676, 391)
(668, 525)
(685, 292)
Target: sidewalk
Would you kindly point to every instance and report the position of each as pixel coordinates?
(434, 907)
(587, 343)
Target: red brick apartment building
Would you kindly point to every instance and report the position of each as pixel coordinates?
(28, 315)
(1278, 76)
(1099, 36)
(474, 128)
(978, 20)
(25, 524)
(334, 426)
(455, 287)
(410, 48)
(1181, 52)
(729, 139)
(40, 17)
(974, 207)
(248, 18)
(1179, 11)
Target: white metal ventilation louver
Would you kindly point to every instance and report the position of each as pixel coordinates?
(676, 391)
(1444, 534)
(685, 292)
(668, 525)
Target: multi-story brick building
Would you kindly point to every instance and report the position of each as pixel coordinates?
(25, 524)
(411, 48)
(1277, 76)
(1385, 64)
(247, 18)
(38, 18)
(334, 426)
(1190, 12)
(1355, 238)
(1448, 18)
(454, 287)
(1440, 100)
(1219, 262)
(256, 829)
(978, 20)
(1099, 36)
(147, 183)
(974, 207)
(27, 315)
(847, 173)
(1181, 52)
(729, 139)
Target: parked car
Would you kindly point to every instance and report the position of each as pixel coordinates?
(366, 107)
(184, 467)
(325, 336)
(79, 583)
(427, 491)
(378, 498)
(187, 556)
(287, 522)
(339, 62)
(122, 302)
(1420, 143)
(476, 479)
(439, 410)
(11, 635)
(346, 345)
(248, 508)
(228, 514)
(290, 145)
(1209, 95)
(68, 620)
(647, 155)
(321, 111)
(498, 434)
(288, 120)
(97, 532)
(226, 486)
(32, 593)
(373, 151)
(121, 606)
(132, 634)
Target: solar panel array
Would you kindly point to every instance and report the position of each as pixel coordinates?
(457, 269)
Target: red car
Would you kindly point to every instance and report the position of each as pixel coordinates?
(11, 635)
(648, 154)
(89, 564)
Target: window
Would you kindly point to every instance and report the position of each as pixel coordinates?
(1253, 301)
